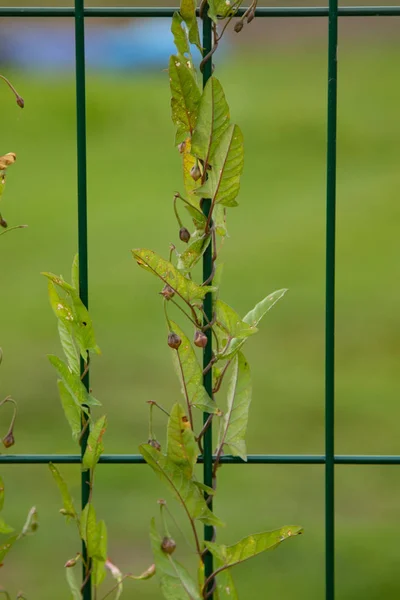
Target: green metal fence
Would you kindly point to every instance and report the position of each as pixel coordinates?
(329, 459)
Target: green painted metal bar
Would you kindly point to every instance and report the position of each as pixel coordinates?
(208, 315)
(156, 11)
(252, 459)
(330, 304)
(82, 242)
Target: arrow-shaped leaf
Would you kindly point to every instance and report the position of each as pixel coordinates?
(212, 121)
(94, 446)
(181, 444)
(188, 14)
(253, 318)
(183, 488)
(185, 97)
(223, 181)
(68, 504)
(180, 37)
(184, 287)
(251, 545)
(234, 423)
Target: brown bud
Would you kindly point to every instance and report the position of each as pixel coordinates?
(184, 235)
(167, 292)
(200, 339)
(3, 223)
(20, 102)
(181, 147)
(251, 16)
(155, 444)
(195, 172)
(238, 27)
(174, 341)
(9, 440)
(168, 545)
(70, 563)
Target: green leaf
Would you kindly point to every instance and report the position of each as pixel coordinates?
(198, 218)
(234, 423)
(72, 411)
(192, 377)
(68, 504)
(193, 253)
(185, 97)
(1, 493)
(219, 219)
(6, 546)
(98, 571)
(254, 317)
(212, 121)
(184, 489)
(180, 36)
(73, 313)
(73, 585)
(100, 554)
(223, 181)
(176, 583)
(4, 528)
(182, 448)
(252, 545)
(185, 288)
(88, 529)
(229, 320)
(68, 345)
(219, 9)
(188, 14)
(73, 383)
(94, 446)
(225, 587)
(75, 273)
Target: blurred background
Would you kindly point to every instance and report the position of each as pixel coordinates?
(275, 77)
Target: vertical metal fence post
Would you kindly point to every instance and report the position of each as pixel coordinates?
(82, 230)
(330, 305)
(208, 310)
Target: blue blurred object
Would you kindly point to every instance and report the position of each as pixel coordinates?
(136, 45)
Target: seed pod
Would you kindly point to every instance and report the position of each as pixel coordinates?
(20, 102)
(238, 27)
(167, 292)
(200, 339)
(9, 440)
(195, 172)
(174, 341)
(155, 444)
(168, 545)
(184, 235)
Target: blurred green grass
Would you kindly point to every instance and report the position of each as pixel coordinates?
(276, 240)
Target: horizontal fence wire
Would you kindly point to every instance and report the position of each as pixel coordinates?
(252, 459)
(156, 11)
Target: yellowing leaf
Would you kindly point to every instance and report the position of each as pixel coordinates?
(182, 448)
(185, 97)
(182, 286)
